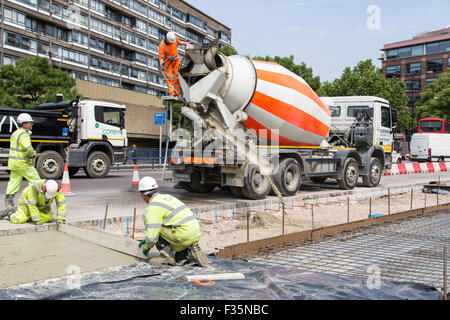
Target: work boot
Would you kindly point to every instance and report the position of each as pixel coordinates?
(9, 206)
(196, 254)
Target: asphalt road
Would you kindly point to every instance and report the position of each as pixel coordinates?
(91, 195)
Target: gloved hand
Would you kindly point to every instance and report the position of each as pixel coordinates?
(38, 223)
(144, 250)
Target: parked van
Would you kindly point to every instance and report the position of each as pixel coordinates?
(430, 147)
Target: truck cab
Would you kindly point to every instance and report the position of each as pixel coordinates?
(343, 115)
(86, 134)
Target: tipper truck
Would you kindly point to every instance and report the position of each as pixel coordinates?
(86, 134)
(255, 121)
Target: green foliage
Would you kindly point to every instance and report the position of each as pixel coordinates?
(227, 51)
(366, 80)
(299, 69)
(33, 81)
(435, 101)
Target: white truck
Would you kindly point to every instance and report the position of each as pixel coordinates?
(430, 147)
(87, 134)
(243, 105)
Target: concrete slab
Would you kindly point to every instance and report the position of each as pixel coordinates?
(43, 255)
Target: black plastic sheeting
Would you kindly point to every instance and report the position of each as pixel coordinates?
(145, 282)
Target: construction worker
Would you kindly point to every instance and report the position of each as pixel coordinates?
(172, 226)
(20, 164)
(35, 203)
(169, 62)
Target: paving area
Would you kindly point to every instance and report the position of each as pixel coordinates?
(42, 255)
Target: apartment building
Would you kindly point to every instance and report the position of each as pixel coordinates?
(111, 43)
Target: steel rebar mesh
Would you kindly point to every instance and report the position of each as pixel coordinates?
(408, 250)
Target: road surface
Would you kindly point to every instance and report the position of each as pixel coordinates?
(91, 195)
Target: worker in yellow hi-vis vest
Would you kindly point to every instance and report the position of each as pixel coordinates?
(171, 226)
(20, 164)
(35, 203)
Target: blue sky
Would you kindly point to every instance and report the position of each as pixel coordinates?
(327, 35)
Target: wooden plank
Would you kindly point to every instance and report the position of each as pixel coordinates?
(217, 276)
(110, 241)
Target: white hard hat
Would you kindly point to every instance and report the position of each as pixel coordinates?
(170, 36)
(24, 117)
(50, 188)
(147, 184)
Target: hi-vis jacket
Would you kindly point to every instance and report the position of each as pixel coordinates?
(20, 150)
(168, 53)
(167, 211)
(33, 198)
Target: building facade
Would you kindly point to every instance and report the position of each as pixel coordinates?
(418, 61)
(106, 42)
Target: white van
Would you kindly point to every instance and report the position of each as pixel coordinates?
(430, 147)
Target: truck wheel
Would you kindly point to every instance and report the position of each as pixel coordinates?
(197, 186)
(73, 171)
(288, 177)
(375, 172)
(256, 186)
(97, 165)
(318, 179)
(350, 174)
(50, 165)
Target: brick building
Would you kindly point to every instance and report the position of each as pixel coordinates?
(417, 61)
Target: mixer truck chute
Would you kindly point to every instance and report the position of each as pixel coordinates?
(254, 120)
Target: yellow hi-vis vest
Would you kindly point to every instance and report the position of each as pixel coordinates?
(33, 197)
(165, 210)
(20, 150)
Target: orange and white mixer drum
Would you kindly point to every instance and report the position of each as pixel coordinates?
(275, 98)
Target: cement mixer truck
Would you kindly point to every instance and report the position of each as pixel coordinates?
(256, 122)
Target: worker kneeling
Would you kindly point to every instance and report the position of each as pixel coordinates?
(170, 225)
(35, 203)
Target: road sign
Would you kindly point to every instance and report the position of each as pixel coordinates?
(160, 118)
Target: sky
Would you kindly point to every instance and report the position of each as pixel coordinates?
(328, 35)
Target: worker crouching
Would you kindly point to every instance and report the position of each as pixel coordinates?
(171, 226)
(35, 203)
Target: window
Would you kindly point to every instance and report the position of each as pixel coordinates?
(413, 68)
(141, 25)
(94, 62)
(14, 16)
(193, 36)
(179, 29)
(98, 6)
(405, 52)
(9, 60)
(156, 16)
(437, 47)
(413, 85)
(138, 7)
(142, 58)
(393, 70)
(108, 115)
(434, 66)
(153, 31)
(352, 109)
(385, 117)
(152, 46)
(431, 126)
(79, 37)
(195, 21)
(335, 111)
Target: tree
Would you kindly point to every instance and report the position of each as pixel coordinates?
(366, 80)
(32, 81)
(299, 69)
(227, 51)
(435, 101)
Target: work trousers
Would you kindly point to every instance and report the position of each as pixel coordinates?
(176, 245)
(171, 75)
(22, 215)
(15, 178)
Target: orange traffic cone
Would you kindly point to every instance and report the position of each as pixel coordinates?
(135, 181)
(65, 186)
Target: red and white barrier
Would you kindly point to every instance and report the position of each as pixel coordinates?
(415, 167)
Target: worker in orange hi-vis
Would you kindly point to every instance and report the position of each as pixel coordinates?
(169, 62)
